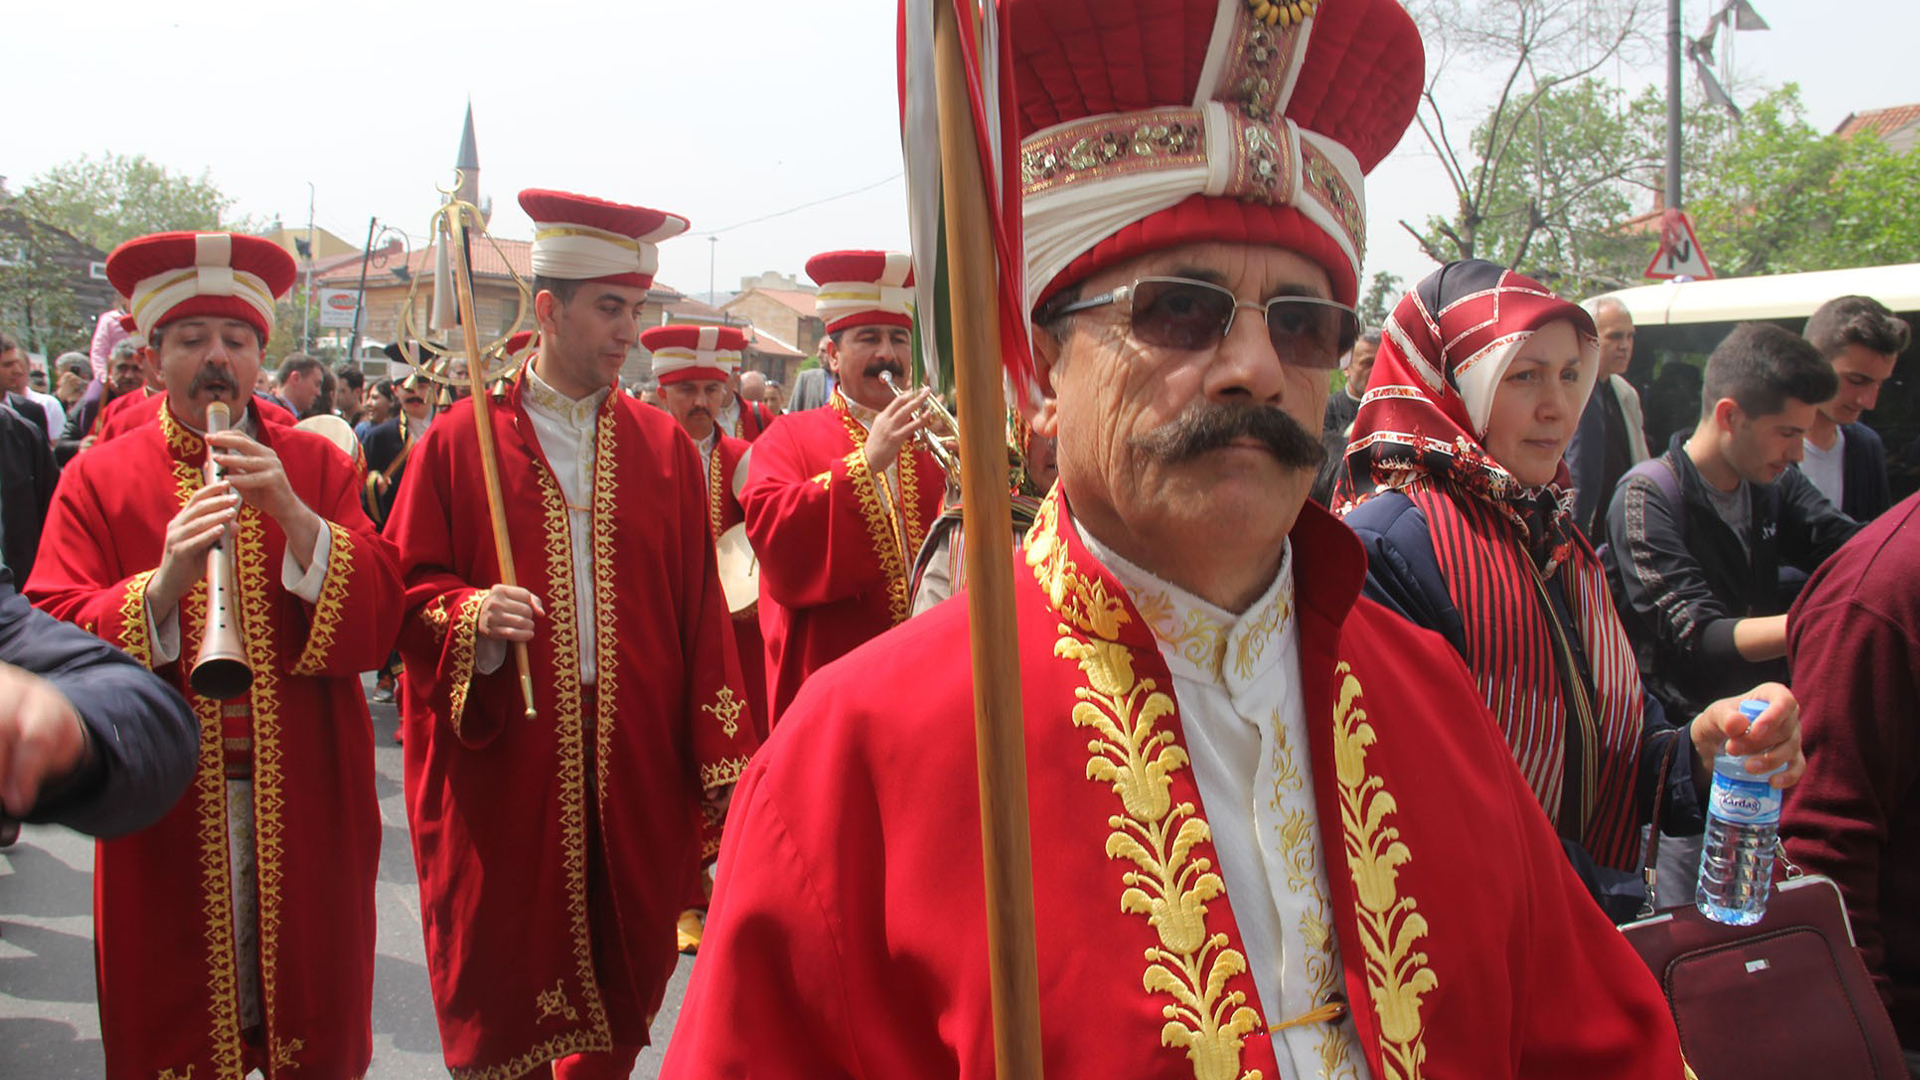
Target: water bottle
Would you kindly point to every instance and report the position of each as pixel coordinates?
(1743, 817)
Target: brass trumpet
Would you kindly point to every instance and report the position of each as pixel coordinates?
(220, 671)
(936, 444)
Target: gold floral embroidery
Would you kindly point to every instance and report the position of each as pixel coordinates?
(1085, 602)
(1168, 884)
(260, 630)
(210, 809)
(726, 709)
(606, 600)
(183, 442)
(1199, 638)
(554, 1002)
(434, 614)
(722, 772)
(717, 492)
(169, 1074)
(883, 531)
(1252, 638)
(283, 1051)
(465, 626)
(1299, 855)
(825, 480)
(1390, 924)
(333, 600)
(132, 638)
(570, 754)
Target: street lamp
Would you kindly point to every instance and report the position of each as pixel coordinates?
(396, 244)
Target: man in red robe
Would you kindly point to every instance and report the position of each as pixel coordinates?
(1275, 832)
(554, 852)
(238, 933)
(838, 500)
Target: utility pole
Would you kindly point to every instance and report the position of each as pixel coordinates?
(713, 245)
(1673, 106)
(306, 307)
(360, 297)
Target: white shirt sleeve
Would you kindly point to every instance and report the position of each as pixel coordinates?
(488, 654)
(163, 635)
(307, 585)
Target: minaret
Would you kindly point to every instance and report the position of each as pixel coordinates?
(468, 162)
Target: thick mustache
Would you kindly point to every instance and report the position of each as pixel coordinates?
(699, 410)
(1208, 427)
(892, 367)
(212, 379)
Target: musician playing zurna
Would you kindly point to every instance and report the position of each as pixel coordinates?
(238, 933)
(554, 852)
(839, 499)
(1275, 832)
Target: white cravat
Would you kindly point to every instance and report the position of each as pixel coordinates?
(1236, 680)
(566, 430)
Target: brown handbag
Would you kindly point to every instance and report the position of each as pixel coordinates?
(1785, 997)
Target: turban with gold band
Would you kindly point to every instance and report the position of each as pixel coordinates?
(177, 275)
(1150, 123)
(581, 238)
(683, 353)
(863, 288)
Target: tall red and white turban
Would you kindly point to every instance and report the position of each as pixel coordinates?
(179, 275)
(581, 238)
(1147, 124)
(683, 353)
(863, 288)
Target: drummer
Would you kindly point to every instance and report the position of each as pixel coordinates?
(694, 366)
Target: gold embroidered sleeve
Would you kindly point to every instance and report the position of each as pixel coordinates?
(462, 631)
(329, 612)
(883, 533)
(132, 636)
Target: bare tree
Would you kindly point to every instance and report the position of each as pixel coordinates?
(1528, 50)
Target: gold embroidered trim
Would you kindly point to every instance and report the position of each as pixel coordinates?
(169, 1074)
(210, 806)
(825, 480)
(883, 532)
(333, 602)
(1082, 601)
(570, 751)
(181, 441)
(726, 709)
(1168, 884)
(466, 627)
(132, 638)
(1199, 638)
(283, 1051)
(259, 629)
(722, 772)
(1390, 924)
(572, 1042)
(606, 599)
(551, 1003)
(434, 614)
(716, 492)
(1322, 180)
(1250, 644)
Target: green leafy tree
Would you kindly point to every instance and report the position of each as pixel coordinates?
(116, 197)
(1383, 291)
(36, 286)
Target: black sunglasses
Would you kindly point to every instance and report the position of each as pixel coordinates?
(1192, 316)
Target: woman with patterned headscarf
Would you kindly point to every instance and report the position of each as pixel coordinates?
(1454, 481)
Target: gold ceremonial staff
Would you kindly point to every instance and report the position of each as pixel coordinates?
(450, 229)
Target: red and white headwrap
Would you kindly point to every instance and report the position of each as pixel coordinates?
(1176, 121)
(178, 275)
(581, 238)
(863, 288)
(683, 353)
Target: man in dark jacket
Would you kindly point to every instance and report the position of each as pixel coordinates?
(1855, 815)
(27, 477)
(89, 739)
(1844, 457)
(1695, 555)
(127, 372)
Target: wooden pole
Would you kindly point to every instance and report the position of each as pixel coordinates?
(455, 240)
(999, 733)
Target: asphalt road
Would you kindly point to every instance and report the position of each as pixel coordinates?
(48, 1024)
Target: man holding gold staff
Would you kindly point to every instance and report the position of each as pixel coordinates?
(839, 499)
(554, 851)
(238, 933)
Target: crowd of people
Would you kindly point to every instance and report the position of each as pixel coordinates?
(1355, 661)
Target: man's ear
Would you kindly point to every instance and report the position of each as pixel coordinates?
(546, 312)
(830, 355)
(1725, 412)
(1047, 352)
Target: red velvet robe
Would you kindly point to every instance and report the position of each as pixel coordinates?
(834, 569)
(553, 860)
(848, 920)
(162, 909)
(131, 412)
(723, 513)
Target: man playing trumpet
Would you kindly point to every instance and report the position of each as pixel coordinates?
(839, 499)
(237, 933)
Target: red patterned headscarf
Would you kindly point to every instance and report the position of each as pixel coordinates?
(1421, 431)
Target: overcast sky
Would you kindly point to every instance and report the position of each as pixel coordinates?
(721, 111)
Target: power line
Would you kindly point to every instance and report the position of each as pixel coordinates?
(805, 206)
